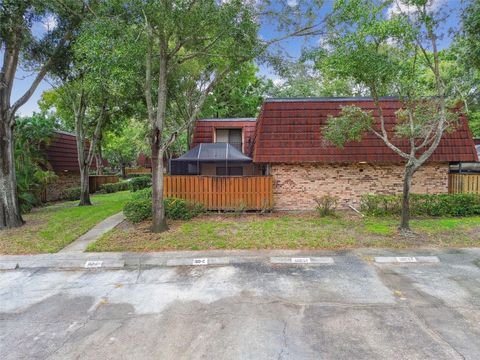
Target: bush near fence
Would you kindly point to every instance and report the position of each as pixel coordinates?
(422, 205)
(140, 207)
(139, 183)
(115, 187)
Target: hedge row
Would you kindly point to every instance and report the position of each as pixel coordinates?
(140, 207)
(422, 205)
(114, 187)
(140, 182)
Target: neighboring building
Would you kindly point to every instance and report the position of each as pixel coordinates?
(62, 157)
(286, 142)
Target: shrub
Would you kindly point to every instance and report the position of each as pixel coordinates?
(114, 187)
(71, 193)
(140, 207)
(422, 205)
(326, 205)
(137, 210)
(179, 209)
(131, 176)
(140, 182)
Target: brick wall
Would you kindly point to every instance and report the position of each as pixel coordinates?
(296, 185)
(55, 189)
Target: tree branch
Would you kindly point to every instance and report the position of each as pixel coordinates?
(41, 74)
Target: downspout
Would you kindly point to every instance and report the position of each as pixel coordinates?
(226, 160)
(198, 159)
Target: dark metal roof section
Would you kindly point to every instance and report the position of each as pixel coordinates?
(213, 153)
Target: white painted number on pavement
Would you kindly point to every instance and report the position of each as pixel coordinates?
(301, 261)
(203, 261)
(406, 259)
(93, 264)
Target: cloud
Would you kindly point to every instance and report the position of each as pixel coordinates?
(399, 7)
(50, 23)
(292, 3)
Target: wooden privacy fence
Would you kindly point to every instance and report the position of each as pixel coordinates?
(222, 193)
(95, 181)
(139, 170)
(464, 183)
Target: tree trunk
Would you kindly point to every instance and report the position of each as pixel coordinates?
(159, 222)
(10, 215)
(84, 187)
(122, 170)
(407, 184)
(99, 161)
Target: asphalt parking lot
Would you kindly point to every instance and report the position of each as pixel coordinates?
(350, 308)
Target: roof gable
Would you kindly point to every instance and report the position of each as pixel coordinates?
(290, 131)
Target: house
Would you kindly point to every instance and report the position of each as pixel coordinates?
(286, 143)
(61, 154)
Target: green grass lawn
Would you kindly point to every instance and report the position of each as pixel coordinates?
(49, 229)
(277, 231)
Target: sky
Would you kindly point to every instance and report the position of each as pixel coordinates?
(291, 47)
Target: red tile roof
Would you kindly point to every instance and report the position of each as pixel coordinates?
(290, 131)
(205, 129)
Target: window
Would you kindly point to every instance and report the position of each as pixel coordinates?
(230, 171)
(230, 136)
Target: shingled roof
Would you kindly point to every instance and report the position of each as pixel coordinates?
(290, 131)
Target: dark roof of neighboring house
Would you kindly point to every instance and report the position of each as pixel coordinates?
(205, 129)
(62, 153)
(290, 131)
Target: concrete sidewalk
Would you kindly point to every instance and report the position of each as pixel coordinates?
(80, 245)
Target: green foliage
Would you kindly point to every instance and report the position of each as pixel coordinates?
(240, 94)
(326, 205)
(122, 144)
(140, 207)
(32, 134)
(139, 183)
(131, 176)
(349, 126)
(179, 209)
(72, 193)
(422, 205)
(114, 187)
(137, 210)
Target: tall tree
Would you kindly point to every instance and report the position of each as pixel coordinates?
(384, 46)
(39, 52)
(189, 45)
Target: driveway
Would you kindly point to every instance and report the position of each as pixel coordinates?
(353, 308)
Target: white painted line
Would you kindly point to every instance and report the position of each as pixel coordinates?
(321, 260)
(202, 261)
(93, 264)
(406, 259)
